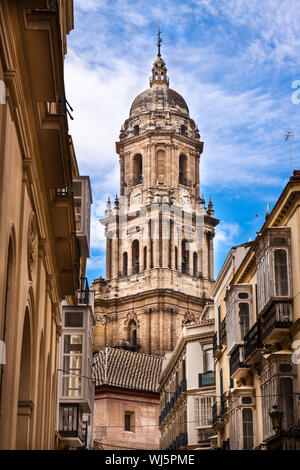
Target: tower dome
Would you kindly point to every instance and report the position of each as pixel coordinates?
(157, 98)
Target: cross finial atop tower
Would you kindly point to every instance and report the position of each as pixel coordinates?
(159, 41)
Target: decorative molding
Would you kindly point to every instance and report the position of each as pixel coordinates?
(131, 316)
(189, 318)
(105, 318)
(31, 245)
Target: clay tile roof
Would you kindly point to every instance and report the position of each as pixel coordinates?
(127, 369)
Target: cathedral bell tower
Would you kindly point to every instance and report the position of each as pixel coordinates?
(159, 232)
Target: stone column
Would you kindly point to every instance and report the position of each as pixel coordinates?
(115, 256)
(129, 256)
(122, 175)
(165, 241)
(211, 255)
(108, 255)
(155, 238)
(149, 245)
(153, 165)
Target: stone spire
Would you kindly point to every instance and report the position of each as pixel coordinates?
(159, 69)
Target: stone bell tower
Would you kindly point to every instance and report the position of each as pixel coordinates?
(159, 232)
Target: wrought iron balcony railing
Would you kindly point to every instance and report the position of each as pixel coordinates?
(278, 316)
(236, 360)
(207, 379)
(252, 340)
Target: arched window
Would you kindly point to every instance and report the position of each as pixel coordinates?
(136, 130)
(182, 169)
(145, 258)
(281, 273)
(135, 257)
(183, 130)
(176, 258)
(125, 264)
(8, 296)
(23, 423)
(132, 333)
(195, 265)
(185, 257)
(137, 169)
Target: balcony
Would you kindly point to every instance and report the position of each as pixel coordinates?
(170, 405)
(70, 428)
(238, 368)
(185, 181)
(217, 348)
(218, 411)
(223, 332)
(207, 379)
(253, 344)
(83, 292)
(276, 321)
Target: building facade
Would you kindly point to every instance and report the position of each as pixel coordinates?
(126, 400)
(260, 400)
(159, 250)
(187, 388)
(40, 257)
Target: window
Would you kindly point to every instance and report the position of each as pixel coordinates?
(73, 319)
(183, 129)
(287, 402)
(203, 411)
(132, 332)
(129, 421)
(125, 264)
(182, 169)
(244, 318)
(195, 264)
(247, 417)
(185, 257)
(176, 258)
(72, 365)
(135, 257)
(136, 130)
(209, 360)
(145, 258)
(137, 169)
(281, 275)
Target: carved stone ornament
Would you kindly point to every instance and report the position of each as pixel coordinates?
(131, 316)
(31, 246)
(104, 318)
(188, 319)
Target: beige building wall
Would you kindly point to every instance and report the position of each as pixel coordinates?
(36, 262)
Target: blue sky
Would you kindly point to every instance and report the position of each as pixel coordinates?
(234, 62)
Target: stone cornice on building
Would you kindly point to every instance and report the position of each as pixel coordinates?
(117, 393)
(154, 293)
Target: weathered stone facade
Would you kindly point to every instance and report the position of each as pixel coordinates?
(159, 252)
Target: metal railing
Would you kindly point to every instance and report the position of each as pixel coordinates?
(252, 340)
(279, 315)
(207, 379)
(170, 405)
(236, 359)
(83, 292)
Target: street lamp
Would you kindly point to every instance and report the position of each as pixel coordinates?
(276, 417)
